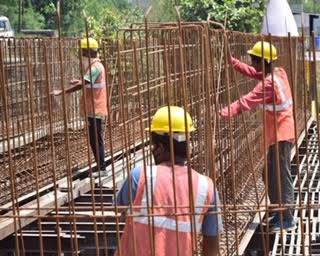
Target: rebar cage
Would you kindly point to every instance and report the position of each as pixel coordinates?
(46, 186)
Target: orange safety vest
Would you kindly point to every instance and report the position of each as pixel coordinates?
(283, 108)
(159, 178)
(97, 91)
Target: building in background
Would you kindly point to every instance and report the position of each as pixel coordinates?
(311, 20)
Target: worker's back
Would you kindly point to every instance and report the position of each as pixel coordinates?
(160, 179)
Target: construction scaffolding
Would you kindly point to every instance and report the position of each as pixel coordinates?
(47, 192)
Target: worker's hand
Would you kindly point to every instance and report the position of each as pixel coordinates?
(56, 92)
(224, 113)
(75, 81)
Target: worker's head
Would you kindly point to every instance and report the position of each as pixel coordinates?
(90, 47)
(160, 133)
(262, 51)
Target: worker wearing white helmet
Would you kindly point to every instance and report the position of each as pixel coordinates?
(171, 235)
(95, 94)
(283, 112)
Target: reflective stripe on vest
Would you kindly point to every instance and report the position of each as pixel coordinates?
(168, 223)
(284, 103)
(96, 86)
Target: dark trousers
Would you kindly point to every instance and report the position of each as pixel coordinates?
(285, 176)
(96, 142)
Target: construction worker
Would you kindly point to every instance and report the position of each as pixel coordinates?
(96, 99)
(284, 119)
(160, 179)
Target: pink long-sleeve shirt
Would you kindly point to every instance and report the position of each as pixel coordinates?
(254, 97)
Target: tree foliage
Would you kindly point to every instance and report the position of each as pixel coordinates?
(31, 18)
(109, 21)
(163, 11)
(308, 5)
(312, 6)
(244, 15)
(104, 16)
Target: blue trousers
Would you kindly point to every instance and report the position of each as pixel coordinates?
(96, 142)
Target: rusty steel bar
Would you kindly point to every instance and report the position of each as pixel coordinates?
(229, 209)
(109, 122)
(251, 159)
(276, 146)
(52, 146)
(35, 155)
(95, 131)
(241, 208)
(122, 105)
(231, 145)
(265, 154)
(166, 67)
(12, 183)
(73, 237)
(151, 210)
(211, 131)
(246, 132)
(184, 96)
(218, 126)
(316, 87)
(295, 127)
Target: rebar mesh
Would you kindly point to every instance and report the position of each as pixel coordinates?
(187, 62)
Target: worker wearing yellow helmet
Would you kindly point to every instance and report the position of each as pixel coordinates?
(265, 54)
(95, 95)
(167, 185)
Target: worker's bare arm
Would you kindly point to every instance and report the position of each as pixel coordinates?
(75, 86)
(210, 246)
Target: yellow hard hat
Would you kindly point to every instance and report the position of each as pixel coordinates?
(93, 44)
(160, 121)
(257, 51)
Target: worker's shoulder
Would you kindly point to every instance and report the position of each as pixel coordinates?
(97, 63)
(136, 171)
(205, 177)
(279, 70)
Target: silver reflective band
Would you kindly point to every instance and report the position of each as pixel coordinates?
(98, 85)
(283, 98)
(285, 103)
(280, 107)
(168, 223)
(151, 178)
(163, 222)
(201, 199)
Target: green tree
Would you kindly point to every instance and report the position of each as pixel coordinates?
(109, 21)
(312, 6)
(104, 16)
(163, 11)
(31, 18)
(71, 15)
(308, 5)
(244, 15)
(10, 10)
